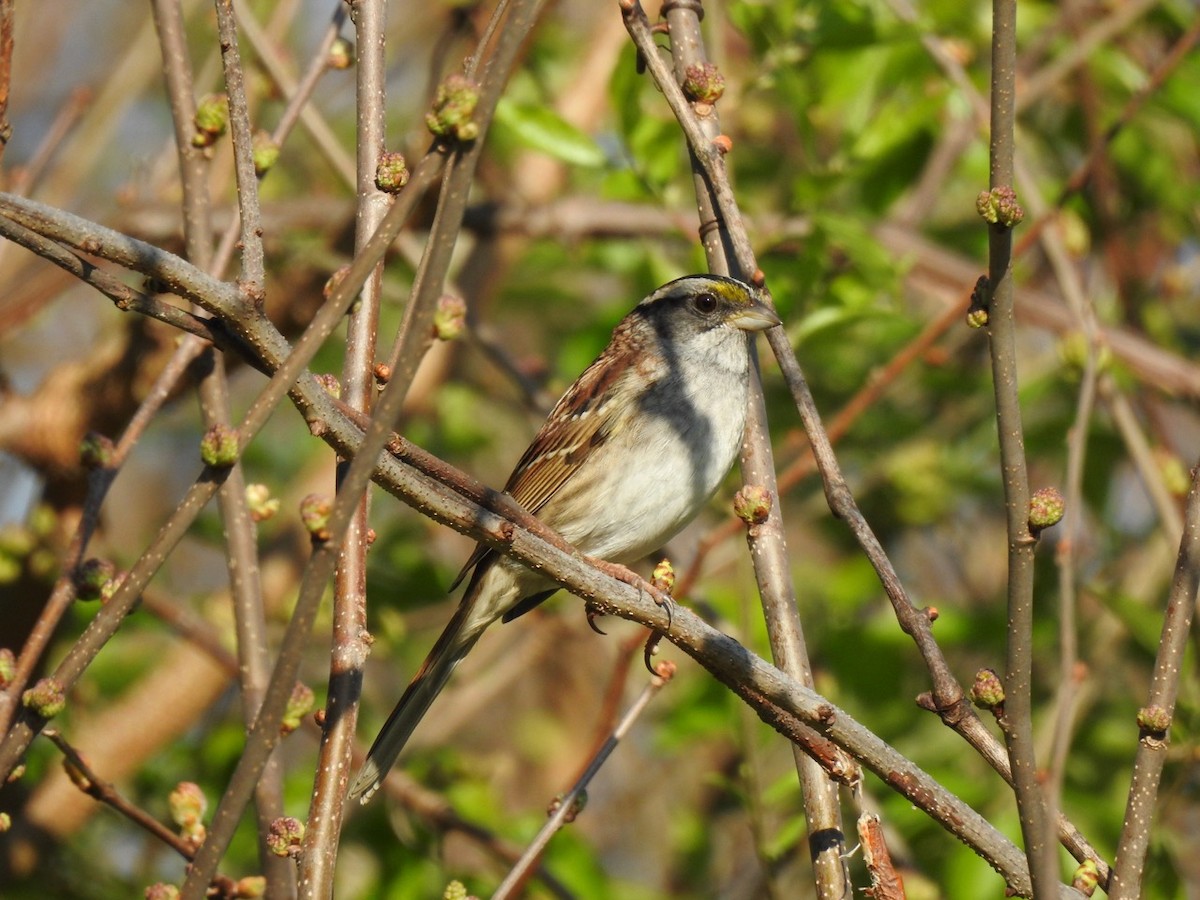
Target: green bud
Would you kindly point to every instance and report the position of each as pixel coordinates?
(314, 513)
(1154, 719)
(341, 54)
(664, 576)
(95, 451)
(162, 891)
(981, 296)
(453, 107)
(391, 172)
(47, 698)
(93, 578)
(999, 206)
(1175, 475)
(299, 705)
(211, 120)
(1073, 351)
(752, 504)
(285, 835)
(261, 504)
(577, 806)
(450, 318)
(988, 691)
(265, 153)
(16, 540)
(8, 667)
(188, 805)
(219, 447)
(1086, 878)
(1046, 508)
(330, 382)
(703, 83)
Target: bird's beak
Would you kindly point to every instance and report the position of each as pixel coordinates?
(755, 317)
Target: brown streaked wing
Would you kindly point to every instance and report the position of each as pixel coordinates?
(578, 425)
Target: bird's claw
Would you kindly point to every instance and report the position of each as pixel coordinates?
(667, 602)
(650, 649)
(592, 614)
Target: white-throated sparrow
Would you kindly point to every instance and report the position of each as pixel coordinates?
(625, 459)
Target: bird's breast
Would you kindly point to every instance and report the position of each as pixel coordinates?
(656, 470)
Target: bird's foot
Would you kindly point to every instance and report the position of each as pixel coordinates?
(633, 579)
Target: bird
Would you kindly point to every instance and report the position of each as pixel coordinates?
(626, 458)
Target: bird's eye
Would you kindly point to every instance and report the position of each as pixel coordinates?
(705, 303)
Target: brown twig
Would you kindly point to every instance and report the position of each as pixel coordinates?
(886, 883)
(805, 465)
(105, 792)
(1155, 718)
(262, 340)
(298, 108)
(252, 280)
(566, 807)
(1080, 50)
(63, 593)
(418, 321)
(7, 27)
(727, 248)
(125, 298)
(1017, 722)
(241, 549)
(349, 650)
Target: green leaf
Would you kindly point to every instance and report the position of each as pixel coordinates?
(540, 128)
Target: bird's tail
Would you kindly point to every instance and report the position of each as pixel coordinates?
(455, 642)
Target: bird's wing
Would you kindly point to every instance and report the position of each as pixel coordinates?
(590, 413)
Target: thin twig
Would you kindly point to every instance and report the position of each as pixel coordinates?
(1142, 456)
(298, 93)
(125, 298)
(298, 108)
(1017, 721)
(262, 340)
(349, 651)
(7, 28)
(99, 481)
(862, 401)
(253, 277)
(104, 792)
(1078, 51)
(241, 549)
(728, 661)
(566, 807)
(418, 321)
(1155, 718)
(766, 540)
